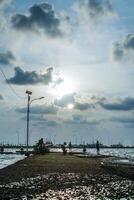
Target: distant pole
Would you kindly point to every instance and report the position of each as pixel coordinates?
(54, 139)
(75, 139)
(81, 138)
(28, 110)
(18, 138)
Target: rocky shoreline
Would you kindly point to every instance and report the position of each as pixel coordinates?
(69, 186)
(57, 177)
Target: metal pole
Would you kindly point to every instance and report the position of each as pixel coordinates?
(28, 109)
(18, 138)
(54, 139)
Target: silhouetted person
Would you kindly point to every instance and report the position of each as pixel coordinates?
(63, 147)
(40, 146)
(21, 150)
(84, 149)
(70, 147)
(1, 149)
(98, 147)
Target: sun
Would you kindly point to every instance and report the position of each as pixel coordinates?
(70, 106)
(64, 88)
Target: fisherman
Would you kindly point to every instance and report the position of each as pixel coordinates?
(1, 149)
(21, 150)
(84, 149)
(70, 147)
(98, 147)
(63, 147)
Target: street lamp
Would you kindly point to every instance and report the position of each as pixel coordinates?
(29, 93)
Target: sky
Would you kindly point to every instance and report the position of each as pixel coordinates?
(79, 55)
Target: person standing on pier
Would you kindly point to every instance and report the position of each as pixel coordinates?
(1, 149)
(84, 149)
(63, 147)
(70, 147)
(98, 147)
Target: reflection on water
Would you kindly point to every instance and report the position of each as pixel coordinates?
(6, 160)
(125, 153)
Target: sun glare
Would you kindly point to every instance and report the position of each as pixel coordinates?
(70, 106)
(64, 88)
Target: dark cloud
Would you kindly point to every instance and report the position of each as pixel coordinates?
(39, 109)
(129, 42)
(96, 9)
(31, 77)
(96, 100)
(125, 49)
(41, 16)
(122, 105)
(1, 97)
(128, 122)
(43, 123)
(83, 106)
(7, 58)
(99, 7)
(78, 119)
(40, 120)
(65, 100)
(125, 104)
(1, 1)
(70, 99)
(125, 120)
(118, 51)
(4, 3)
(51, 123)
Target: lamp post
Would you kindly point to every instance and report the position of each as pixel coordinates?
(29, 93)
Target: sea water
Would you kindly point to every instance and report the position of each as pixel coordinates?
(8, 159)
(127, 153)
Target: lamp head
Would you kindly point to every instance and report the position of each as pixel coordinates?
(28, 92)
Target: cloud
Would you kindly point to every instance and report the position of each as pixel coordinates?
(83, 106)
(65, 100)
(129, 42)
(31, 77)
(1, 1)
(40, 109)
(41, 17)
(40, 120)
(4, 2)
(3, 5)
(125, 104)
(99, 7)
(1, 97)
(122, 105)
(97, 99)
(118, 51)
(124, 50)
(125, 120)
(95, 9)
(7, 58)
(128, 122)
(51, 123)
(78, 119)
(58, 81)
(70, 99)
